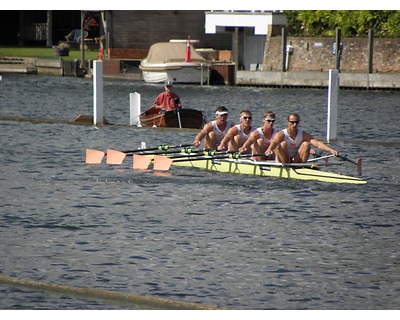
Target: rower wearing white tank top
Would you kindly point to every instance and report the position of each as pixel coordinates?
(293, 144)
(215, 130)
(238, 134)
(260, 139)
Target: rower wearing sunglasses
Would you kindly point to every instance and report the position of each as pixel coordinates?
(238, 134)
(293, 144)
(260, 139)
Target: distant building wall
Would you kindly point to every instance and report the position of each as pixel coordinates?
(315, 54)
(140, 29)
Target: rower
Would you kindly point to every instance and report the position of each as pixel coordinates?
(215, 130)
(238, 134)
(260, 139)
(293, 145)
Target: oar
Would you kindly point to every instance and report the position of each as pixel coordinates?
(117, 157)
(321, 158)
(96, 156)
(201, 153)
(357, 162)
(184, 150)
(177, 108)
(164, 163)
(161, 148)
(142, 161)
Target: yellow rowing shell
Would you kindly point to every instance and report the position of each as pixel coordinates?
(268, 169)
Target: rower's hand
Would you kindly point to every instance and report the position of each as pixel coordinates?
(196, 143)
(335, 153)
(242, 150)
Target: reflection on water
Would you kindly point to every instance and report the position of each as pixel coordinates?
(227, 240)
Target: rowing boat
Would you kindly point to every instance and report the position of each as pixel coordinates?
(227, 162)
(186, 118)
(299, 171)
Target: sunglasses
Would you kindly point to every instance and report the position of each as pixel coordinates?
(270, 120)
(294, 122)
(246, 118)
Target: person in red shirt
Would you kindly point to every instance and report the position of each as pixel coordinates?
(167, 100)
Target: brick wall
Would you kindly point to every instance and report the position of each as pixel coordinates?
(128, 54)
(139, 29)
(315, 54)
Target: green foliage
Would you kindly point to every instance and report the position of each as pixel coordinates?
(353, 23)
(44, 53)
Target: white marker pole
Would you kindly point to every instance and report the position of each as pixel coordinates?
(98, 102)
(333, 92)
(135, 109)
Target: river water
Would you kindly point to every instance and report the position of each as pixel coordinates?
(236, 242)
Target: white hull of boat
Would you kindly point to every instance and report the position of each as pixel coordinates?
(183, 74)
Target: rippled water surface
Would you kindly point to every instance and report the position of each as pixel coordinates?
(236, 242)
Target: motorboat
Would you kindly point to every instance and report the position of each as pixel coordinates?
(175, 61)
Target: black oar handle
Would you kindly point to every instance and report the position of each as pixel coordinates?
(187, 150)
(161, 148)
(345, 158)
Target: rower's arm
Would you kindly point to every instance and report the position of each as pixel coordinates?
(318, 144)
(250, 140)
(322, 146)
(278, 138)
(207, 128)
(228, 137)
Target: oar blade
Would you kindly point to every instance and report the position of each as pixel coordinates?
(94, 156)
(115, 157)
(141, 162)
(162, 163)
(359, 164)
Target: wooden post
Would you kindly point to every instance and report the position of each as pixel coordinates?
(284, 40)
(338, 52)
(370, 51)
(333, 92)
(236, 52)
(134, 99)
(49, 33)
(82, 44)
(98, 103)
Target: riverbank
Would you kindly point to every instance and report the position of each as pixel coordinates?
(315, 79)
(128, 70)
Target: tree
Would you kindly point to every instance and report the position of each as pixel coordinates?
(353, 23)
